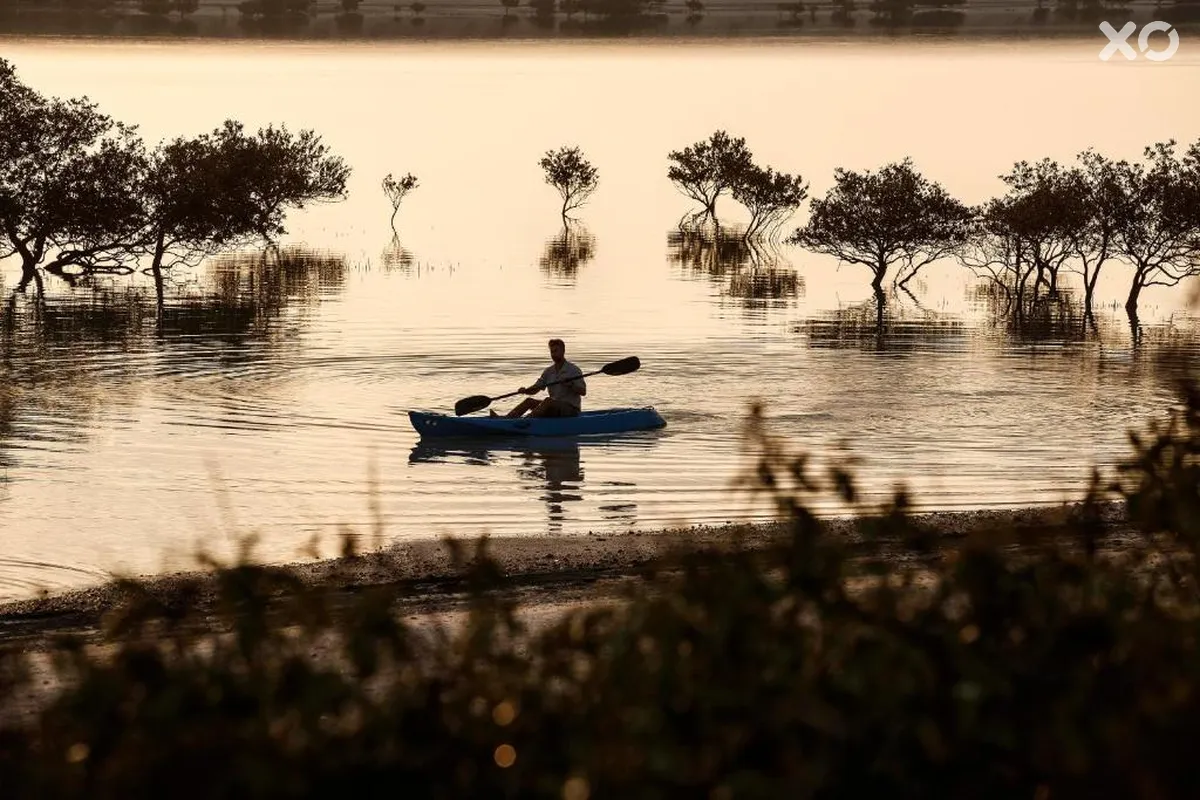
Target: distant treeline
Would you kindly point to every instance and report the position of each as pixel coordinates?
(81, 193)
(1053, 219)
(793, 13)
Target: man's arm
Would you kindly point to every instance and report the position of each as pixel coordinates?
(536, 386)
(579, 386)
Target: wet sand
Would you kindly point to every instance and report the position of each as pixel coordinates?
(545, 574)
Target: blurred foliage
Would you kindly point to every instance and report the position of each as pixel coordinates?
(1038, 661)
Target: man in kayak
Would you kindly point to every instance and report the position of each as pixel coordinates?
(565, 398)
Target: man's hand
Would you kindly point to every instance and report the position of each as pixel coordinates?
(529, 390)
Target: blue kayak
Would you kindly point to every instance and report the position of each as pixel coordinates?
(612, 420)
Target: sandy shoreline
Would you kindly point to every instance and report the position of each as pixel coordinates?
(542, 572)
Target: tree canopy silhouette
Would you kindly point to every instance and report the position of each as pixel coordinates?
(396, 191)
(704, 170)
(68, 178)
(893, 217)
(1032, 230)
(769, 196)
(1158, 225)
(79, 190)
(228, 188)
(571, 174)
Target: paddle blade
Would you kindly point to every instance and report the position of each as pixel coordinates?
(470, 404)
(622, 367)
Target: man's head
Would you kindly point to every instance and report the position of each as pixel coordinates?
(557, 350)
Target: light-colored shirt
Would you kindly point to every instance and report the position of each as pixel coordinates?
(563, 391)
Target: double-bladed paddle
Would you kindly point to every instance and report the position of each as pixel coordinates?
(479, 402)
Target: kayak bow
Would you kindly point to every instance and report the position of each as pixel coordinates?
(612, 420)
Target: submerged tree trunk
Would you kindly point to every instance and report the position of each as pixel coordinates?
(30, 258)
(160, 250)
(159, 304)
(1022, 280)
(880, 335)
(28, 273)
(1135, 291)
(1089, 288)
(1019, 278)
(877, 284)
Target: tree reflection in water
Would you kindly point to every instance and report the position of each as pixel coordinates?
(766, 287)
(567, 251)
(396, 257)
(754, 273)
(885, 323)
(1056, 317)
(71, 353)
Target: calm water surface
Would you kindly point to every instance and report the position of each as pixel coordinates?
(270, 390)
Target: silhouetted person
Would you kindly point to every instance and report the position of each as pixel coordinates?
(565, 399)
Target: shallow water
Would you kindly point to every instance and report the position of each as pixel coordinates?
(271, 395)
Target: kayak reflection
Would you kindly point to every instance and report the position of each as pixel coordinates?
(553, 467)
(559, 472)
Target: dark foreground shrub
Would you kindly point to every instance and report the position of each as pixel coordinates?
(1035, 663)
